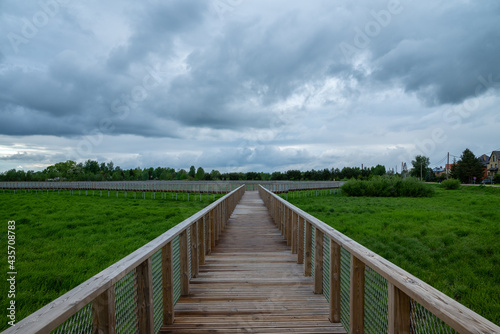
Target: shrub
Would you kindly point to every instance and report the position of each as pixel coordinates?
(451, 184)
(387, 187)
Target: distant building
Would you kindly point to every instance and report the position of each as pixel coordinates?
(438, 171)
(493, 162)
(484, 161)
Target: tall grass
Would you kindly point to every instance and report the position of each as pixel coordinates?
(451, 240)
(62, 240)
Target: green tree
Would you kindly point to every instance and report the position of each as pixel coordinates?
(192, 172)
(215, 175)
(467, 168)
(378, 170)
(200, 174)
(420, 167)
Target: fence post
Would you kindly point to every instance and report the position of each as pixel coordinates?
(183, 248)
(212, 227)
(288, 226)
(103, 312)
(201, 241)
(194, 249)
(318, 262)
(308, 251)
(294, 232)
(334, 282)
(357, 296)
(145, 296)
(399, 311)
(300, 248)
(168, 284)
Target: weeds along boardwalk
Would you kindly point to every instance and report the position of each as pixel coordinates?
(251, 282)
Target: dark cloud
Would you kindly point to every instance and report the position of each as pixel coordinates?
(24, 156)
(442, 57)
(155, 29)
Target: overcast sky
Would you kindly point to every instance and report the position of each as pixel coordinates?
(246, 85)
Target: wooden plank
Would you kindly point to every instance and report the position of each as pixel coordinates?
(300, 248)
(334, 282)
(103, 313)
(144, 277)
(308, 250)
(184, 263)
(399, 311)
(168, 284)
(357, 296)
(252, 283)
(318, 262)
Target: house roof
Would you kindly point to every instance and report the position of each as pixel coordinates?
(484, 159)
(496, 154)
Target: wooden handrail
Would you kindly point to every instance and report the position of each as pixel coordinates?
(401, 283)
(100, 288)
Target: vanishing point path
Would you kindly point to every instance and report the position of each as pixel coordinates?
(251, 283)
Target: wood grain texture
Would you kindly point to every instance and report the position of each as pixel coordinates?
(251, 283)
(399, 311)
(334, 281)
(144, 304)
(103, 313)
(167, 258)
(357, 297)
(308, 250)
(318, 262)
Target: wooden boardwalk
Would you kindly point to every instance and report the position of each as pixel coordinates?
(251, 283)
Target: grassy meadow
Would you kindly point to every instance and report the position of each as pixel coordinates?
(62, 239)
(450, 240)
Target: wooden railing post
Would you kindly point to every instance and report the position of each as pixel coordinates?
(145, 296)
(168, 284)
(318, 262)
(183, 250)
(212, 227)
(288, 226)
(201, 241)
(194, 249)
(300, 248)
(294, 232)
(399, 311)
(103, 313)
(357, 309)
(308, 251)
(334, 282)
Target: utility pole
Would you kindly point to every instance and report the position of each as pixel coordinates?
(421, 162)
(447, 165)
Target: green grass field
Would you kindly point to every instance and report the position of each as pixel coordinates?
(450, 240)
(62, 240)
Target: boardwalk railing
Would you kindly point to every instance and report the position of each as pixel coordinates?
(366, 292)
(137, 294)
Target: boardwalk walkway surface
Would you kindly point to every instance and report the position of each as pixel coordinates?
(251, 283)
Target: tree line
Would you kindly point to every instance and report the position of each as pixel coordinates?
(464, 169)
(92, 170)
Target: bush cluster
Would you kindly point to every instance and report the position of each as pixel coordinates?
(451, 184)
(387, 187)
